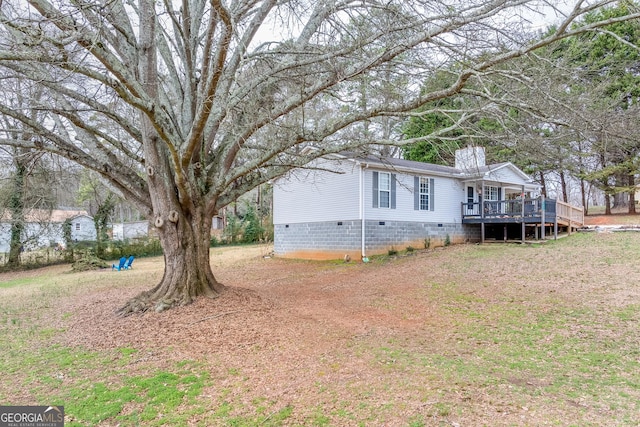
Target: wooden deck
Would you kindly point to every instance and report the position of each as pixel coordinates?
(537, 213)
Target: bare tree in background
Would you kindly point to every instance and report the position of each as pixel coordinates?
(211, 98)
(569, 110)
(25, 186)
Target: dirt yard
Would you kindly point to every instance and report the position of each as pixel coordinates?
(403, 341)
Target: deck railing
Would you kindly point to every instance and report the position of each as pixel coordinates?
(570, 213)
(501, 208)
(526, 208)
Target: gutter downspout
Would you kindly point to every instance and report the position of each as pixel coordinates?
(362, 216)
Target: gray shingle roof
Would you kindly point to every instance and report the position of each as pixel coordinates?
(393, 163)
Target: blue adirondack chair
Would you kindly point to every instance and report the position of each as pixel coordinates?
(127, 265)
(120, 265)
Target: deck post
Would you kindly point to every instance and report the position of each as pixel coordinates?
(522, 213)
(480, 198)
(555, 228)
(542, 219)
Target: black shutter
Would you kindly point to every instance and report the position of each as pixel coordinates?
(432, 197)
(416, 193)
(393, 191)
(375, 189)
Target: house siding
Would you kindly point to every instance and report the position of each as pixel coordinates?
(47, 234)
(312, 195)
(5, 237)
(130, 230)
(317, 213)
(82, 229)
(448, 194)
(504, 174)
(34, 236)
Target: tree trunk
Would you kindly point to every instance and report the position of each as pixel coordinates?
(619, 200)
(563, 183)
(187, 272)
(632, 194)
(543, 185)
(181, 218)
(585, 198)
(16, 207)
(607, 204)
(619, 197)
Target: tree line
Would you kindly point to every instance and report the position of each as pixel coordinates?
(566, 114)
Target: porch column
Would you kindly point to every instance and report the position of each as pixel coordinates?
(481, 200)
(522, 213)
(542, 219)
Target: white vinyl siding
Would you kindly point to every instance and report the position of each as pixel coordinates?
(44, 234)
(315, 194)
(505, 174)
(445, 198)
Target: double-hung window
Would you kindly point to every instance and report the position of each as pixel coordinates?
(492, 196)
(491, 193)
(384, 189)
(424, 193)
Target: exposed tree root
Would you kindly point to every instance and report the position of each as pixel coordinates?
(150, 300)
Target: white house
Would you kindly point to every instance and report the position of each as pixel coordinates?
(45, 228)
(348, 204)
(130, 230)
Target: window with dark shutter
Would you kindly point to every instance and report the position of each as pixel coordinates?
(383, 190)
(423, 193)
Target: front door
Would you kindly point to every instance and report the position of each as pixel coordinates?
(471, 209)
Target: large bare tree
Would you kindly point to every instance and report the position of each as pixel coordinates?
(185, 105)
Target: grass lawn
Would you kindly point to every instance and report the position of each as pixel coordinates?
(469, 335)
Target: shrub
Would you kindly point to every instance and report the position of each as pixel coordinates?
(253, 231)
(393, 251)
(233, 229)
(410, 249)
(427, 243)
(447, 240)
(89, 262)
(139, 248)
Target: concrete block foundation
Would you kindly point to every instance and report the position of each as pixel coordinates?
(335, 239)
